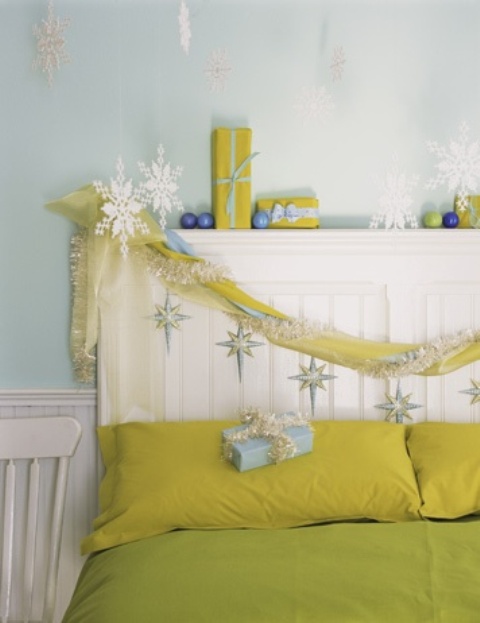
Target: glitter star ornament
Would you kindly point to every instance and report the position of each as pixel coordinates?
(217, 70)
(395, 200)
(474, 391)
(168, 318)
(314, 104)
(184, 27)
(458, 167)
(398, 406)
(51, 53)
(160, 188)
(240, 345)
(121, 207)
(312, 378)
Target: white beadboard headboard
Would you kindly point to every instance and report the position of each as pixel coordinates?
(407, 285)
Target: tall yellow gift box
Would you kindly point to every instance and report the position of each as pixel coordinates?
(470, 218)
(231, 178)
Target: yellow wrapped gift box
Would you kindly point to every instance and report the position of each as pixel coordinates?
(297, 212)
(470, 218)
(231, 178)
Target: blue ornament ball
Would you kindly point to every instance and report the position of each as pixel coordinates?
(260, 220)
(188, 220)
(450, 220)
(205, 220)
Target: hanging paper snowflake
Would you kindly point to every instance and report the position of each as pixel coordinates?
(240, 345)
(217, 70)
(458, 167)
(184, 26)
(398, 406)
(395, 200)
(314, 104)
(122, 204)
(161, 186)
(168, 318)
(338, 63)
(312, 378)
(51, 51)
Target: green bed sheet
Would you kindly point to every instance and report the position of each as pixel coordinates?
(418, 572)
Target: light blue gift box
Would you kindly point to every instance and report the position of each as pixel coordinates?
(254, 452)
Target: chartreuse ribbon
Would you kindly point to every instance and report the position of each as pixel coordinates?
(377, 359)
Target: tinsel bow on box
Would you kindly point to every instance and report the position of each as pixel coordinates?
(270, 427)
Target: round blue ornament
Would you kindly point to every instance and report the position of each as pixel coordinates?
(205, 220)
(450, 220)
(188, 220)
(260, 220)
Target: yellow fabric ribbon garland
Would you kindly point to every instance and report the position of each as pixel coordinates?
(96, 258)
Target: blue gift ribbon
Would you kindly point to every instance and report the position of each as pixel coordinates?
(291, 212)
(235, 177)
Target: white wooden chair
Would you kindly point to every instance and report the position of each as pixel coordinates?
(32, 451)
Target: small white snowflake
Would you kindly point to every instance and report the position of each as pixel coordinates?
(218, 69)
(184, 26)
(122, 204)
(161, 186)
(51, 51)
(395, 200)
(337, 64)
(458, 167)
(314, 104)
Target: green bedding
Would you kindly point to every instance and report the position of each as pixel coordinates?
(414, 572)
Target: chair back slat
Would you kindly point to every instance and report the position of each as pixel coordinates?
(7, 556)
(33, 512)
(31, 538)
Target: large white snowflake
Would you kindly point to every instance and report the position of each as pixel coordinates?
(160, 188)
(337, 64)
(458, 167)
(314, 104)
(218, 69)
(122, 204)
(395, 199)
(51, 51)
(184, 26)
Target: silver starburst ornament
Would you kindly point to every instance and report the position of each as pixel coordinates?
(51, 53)
(240, 345)
(312, 378)
(168, 318)
(473, 391)
(398, 406)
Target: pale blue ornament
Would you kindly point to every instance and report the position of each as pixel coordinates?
(312, 378)
(240, 345)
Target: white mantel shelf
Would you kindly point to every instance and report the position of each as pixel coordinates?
(337, 241)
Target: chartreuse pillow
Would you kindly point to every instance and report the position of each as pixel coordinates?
(165, 475)
(446, 458)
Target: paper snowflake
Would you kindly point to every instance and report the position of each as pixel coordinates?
(184, 26)
(337, 64)
(51, 51)
(458, 166)
(122, 204)
(218, 70)
(314, 104)
(395, 200)
(161, 186)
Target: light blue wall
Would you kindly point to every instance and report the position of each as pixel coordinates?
(412, 73)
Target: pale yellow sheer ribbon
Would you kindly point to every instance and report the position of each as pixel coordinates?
(99, 265)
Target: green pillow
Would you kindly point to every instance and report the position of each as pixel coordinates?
(446, 458)
(167, 475)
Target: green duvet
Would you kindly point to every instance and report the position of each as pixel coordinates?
(414, 572)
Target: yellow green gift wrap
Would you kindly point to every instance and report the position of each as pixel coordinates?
(291, 212)
(231, 177)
